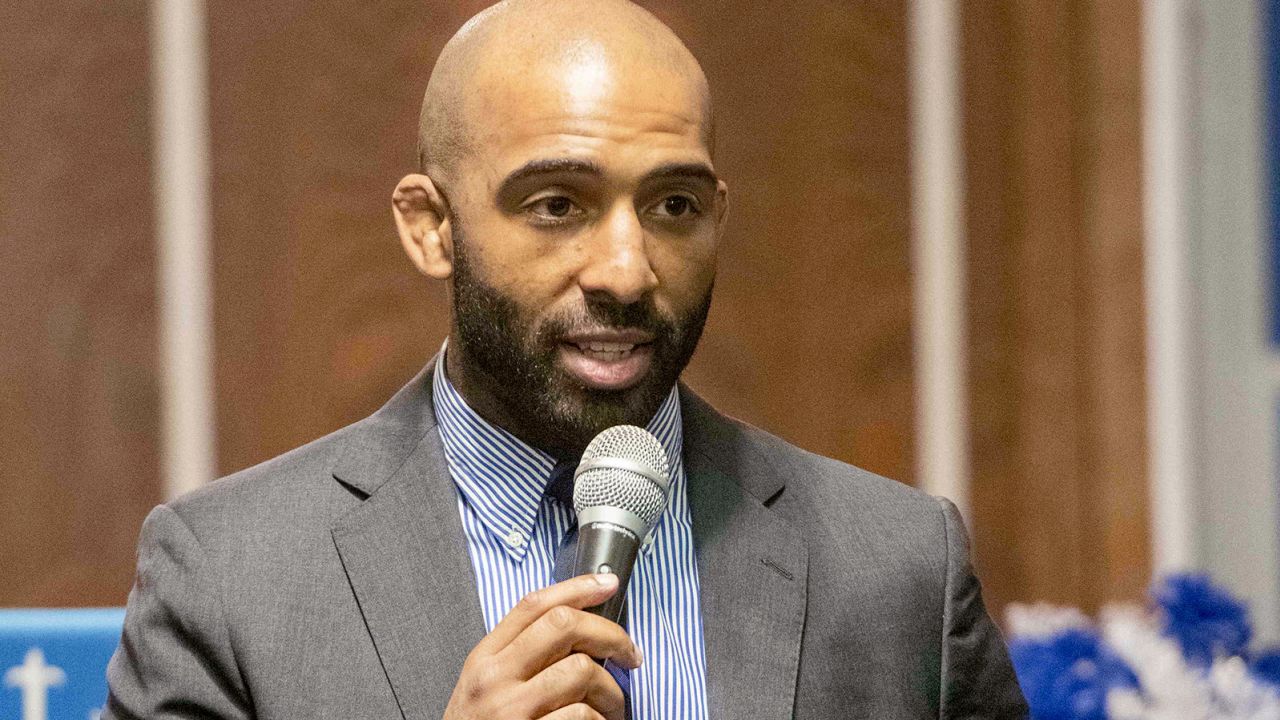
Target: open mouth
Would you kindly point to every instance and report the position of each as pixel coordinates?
(607, 363)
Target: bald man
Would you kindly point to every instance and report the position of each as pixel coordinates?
(405, 566)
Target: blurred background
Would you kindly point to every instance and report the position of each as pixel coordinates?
(1015, 252)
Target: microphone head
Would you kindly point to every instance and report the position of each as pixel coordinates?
(624, 467)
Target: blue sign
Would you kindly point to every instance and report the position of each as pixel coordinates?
(53, 662)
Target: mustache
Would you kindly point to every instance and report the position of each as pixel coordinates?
(608, 315)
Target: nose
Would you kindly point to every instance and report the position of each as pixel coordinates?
(617, 262)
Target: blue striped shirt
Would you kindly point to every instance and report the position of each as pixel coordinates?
(513, 533)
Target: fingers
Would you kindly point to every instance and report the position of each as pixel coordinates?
(535, 657)
(580, 592)
(576, 711)
(577, 679)
(564, 630)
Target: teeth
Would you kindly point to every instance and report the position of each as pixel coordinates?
(607, 350)
(610, 347)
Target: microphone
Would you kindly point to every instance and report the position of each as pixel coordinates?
(619, 491)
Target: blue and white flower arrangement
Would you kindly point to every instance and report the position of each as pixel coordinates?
(1186, 658)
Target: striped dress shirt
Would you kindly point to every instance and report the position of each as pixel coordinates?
(513, 532)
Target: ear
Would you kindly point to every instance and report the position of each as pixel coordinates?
(422, 219)
(722, 206)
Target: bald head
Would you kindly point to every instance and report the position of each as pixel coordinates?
(578, 48)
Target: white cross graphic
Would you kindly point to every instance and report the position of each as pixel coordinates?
(34, 678)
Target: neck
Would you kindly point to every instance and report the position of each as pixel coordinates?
(476, 388)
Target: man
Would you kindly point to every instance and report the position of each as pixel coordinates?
(403, 566)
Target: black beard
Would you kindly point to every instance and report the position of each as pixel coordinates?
(516, 360)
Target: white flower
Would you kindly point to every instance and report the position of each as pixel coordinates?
(1171, 690)
(1239, 695)
(1174, 690)
(1043, 620)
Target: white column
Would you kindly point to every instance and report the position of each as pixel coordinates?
(1235, 409)
(1169, 318)
(181, 139)
(937, 251)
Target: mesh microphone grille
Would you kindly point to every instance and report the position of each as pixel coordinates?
(618, 487)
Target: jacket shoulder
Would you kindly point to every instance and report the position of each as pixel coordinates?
(295, 488)
(316, 482)
(841, 508)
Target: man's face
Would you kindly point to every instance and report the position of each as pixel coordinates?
(584, 231)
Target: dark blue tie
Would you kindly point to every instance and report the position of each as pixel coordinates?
(560, 489)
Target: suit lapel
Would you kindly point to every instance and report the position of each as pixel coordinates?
(404, 553)
(752, 570)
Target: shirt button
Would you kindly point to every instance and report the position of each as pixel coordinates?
(515, 538)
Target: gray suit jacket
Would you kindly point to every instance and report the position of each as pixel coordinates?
(333, 581)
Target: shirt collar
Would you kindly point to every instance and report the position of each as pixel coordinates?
(501, 477)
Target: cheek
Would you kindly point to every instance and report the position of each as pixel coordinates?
(527, 269)
(498, 250)
(685, 270)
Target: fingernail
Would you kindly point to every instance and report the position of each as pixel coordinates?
(639, 656)
(606, 579)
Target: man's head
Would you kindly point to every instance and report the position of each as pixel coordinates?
(568, 197)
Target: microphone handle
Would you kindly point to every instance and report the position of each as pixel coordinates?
(606, 547)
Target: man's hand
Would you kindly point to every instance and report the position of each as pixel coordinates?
(539, 661)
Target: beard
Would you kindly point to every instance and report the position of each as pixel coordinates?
(514, 356)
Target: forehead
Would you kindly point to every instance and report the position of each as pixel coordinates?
(623, 115)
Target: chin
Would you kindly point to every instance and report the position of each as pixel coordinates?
(582, 413)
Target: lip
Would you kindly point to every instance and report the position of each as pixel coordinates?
(607, 359)
(609, 335)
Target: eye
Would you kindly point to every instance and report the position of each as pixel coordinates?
(558, 206)
(554, 207)
(676, 206)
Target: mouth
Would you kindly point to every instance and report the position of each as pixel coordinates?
(613, 360)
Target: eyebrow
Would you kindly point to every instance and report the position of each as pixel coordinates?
(550, 166)
(573, 166)
(683, 171)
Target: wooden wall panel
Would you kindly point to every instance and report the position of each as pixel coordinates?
(1053, 146)
(78, 368)
(319, 317)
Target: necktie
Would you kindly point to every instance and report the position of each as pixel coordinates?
(560, 489)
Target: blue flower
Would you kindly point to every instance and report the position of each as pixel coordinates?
(1266, 667)
(1205, 620)
(1066, 676)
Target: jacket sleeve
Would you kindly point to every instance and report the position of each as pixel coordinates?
(977, 678)
(175, 658)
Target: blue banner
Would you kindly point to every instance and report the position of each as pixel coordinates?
(53, 662)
